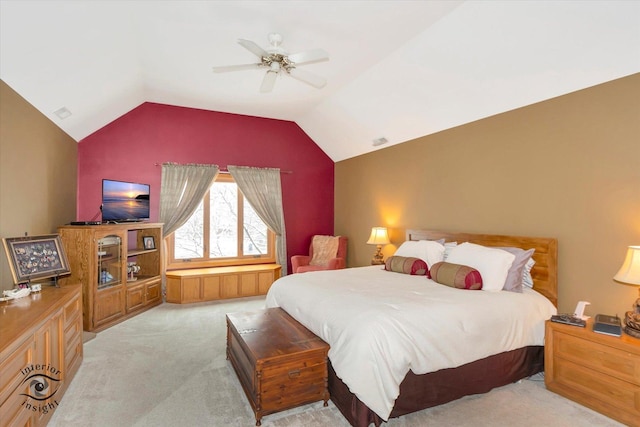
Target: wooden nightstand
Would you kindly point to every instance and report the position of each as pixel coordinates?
(595, 370)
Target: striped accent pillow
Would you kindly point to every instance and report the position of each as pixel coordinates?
(456, 276)
(406, 265)
(527, 280)
(514, 280)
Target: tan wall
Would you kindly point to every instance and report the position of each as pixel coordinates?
(38, 169)
(567, 168)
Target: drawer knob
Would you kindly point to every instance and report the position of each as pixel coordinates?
(295, 373)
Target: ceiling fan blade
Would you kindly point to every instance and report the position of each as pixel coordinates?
(268, 82)
(252, 47)
(309, 56)
(308, 78)
(227, 68)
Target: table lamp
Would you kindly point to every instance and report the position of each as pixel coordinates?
(630, 273)
(379, 237)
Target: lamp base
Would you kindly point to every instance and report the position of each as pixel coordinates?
(632, 324)
(632, 332)
(378, 258)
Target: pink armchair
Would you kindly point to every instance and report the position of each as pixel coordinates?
(325, 257)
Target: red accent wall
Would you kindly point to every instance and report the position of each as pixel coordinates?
(129, 148)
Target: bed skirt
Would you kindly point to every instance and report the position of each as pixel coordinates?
(418, 392)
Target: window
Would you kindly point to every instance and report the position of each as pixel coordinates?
(224, 230)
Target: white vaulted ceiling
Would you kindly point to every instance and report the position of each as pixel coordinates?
(397, 69)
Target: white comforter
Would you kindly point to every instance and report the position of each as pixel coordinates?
(381, 324)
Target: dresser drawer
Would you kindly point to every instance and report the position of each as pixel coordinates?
(13, 414)
(607, 360)
(11, 368)
(72, 311)
(72, 357)
(72, 333)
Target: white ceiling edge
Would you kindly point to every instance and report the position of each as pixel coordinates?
(100, 79)
(474, 64)
(79, 55)
(398, 69)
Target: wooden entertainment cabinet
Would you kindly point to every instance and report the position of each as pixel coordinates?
(99, 258)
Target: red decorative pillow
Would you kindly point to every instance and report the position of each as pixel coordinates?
(406, 265)
(456, 275)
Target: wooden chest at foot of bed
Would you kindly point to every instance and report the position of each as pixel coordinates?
(279, 362)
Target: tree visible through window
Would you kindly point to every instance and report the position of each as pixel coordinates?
(223, 230)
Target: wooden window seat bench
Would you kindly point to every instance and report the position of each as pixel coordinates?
(215, 283)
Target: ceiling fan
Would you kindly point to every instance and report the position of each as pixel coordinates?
(276, 60)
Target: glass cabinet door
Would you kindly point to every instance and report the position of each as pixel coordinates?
(109, 262)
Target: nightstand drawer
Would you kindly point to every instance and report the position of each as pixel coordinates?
(605, 359)
(607, 389)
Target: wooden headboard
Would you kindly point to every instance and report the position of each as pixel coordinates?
(545, 270)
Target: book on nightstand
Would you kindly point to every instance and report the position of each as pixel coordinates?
(608, 325)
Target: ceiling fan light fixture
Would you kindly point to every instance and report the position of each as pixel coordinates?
(275, 59)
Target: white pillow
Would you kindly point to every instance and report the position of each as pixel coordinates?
(493, 264)
(429, 251)
(448, 246)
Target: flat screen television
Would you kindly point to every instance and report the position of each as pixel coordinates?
(124, 201)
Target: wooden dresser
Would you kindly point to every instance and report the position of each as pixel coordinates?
(279, 362)
(595, 370)
(40, 352)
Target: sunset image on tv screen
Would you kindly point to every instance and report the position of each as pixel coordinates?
(124, 201)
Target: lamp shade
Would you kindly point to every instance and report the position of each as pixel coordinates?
(379, 236)
(630, 270)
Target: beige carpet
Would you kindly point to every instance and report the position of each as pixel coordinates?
(167, 367)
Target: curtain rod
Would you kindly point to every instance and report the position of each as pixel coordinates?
(223, 170)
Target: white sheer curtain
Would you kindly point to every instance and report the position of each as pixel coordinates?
(263, 191)
(181, 190)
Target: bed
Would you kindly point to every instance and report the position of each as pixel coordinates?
(369, 387)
